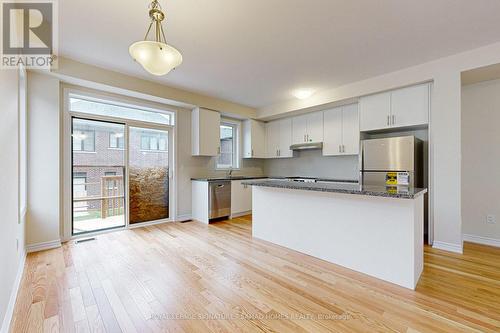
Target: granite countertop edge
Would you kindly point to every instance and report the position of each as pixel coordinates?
(214, 179)
(333, 188)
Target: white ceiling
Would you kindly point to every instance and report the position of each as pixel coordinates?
(255, 52)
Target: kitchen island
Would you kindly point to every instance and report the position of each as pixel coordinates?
(375, 230)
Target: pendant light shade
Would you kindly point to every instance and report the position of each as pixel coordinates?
(155, 56)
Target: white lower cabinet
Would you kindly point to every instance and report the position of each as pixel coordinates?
(241, 198)
(341, 131)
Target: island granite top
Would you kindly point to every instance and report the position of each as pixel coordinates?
(401, 192)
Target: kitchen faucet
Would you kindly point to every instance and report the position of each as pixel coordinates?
(230, 173)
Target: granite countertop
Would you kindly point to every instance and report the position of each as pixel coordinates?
(214, 179)
(371, 190)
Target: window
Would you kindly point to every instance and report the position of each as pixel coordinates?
(116, 140)
(228, 157)
(110, 173)
(154, 141)
(93, 106)
(79, 184)
(83, 140)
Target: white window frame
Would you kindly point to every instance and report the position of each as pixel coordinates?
(118, 99)
(236, 125)
(23, 145)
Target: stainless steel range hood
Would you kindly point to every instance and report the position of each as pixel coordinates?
(307, 145)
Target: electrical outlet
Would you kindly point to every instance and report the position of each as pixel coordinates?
(491, 219)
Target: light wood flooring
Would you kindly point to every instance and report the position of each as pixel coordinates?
(189, 277)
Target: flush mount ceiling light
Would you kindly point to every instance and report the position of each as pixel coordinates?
(155, 56)
(303, 93)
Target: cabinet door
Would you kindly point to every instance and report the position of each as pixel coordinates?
(410, 106)
(299, 129)
(273, 137)
(315, 127)
(332, 131)
(241, 197)
(350, 129)
(205, 132)
(285, 138)
(259, 139)
(374, 111)
(254, 139)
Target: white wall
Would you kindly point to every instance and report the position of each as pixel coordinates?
(481, 158)
(44, 127)
(12, 232)
(311, 163)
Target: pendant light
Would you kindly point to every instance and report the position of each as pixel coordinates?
(155, 56)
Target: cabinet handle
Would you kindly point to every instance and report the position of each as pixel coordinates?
(279, 152)
(304, 138)
(307, 137)
(252, 153)
(388, 120)
(343, 148)
(218, 150)
(340, 150)
(393, 119)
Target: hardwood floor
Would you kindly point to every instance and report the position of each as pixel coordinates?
(189, 277)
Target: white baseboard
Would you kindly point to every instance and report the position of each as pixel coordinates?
(241, 214)
(457, 248)
(145, 224)
(482, 240)
(43, 246)
(183, 217)
(13, 296)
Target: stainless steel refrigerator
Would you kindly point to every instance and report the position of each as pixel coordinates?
(384, 160)
(396, 161)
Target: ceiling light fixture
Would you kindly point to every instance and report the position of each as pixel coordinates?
(155, 56)
(303, 93)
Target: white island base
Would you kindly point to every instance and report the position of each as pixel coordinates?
(378, 236)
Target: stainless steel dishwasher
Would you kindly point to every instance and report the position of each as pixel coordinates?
(219, 197)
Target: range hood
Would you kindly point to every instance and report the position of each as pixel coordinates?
(307, 146)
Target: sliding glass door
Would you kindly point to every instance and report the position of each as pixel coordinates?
(98, 175)
(148, 174)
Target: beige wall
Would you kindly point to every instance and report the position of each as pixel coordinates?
(77, 73)
(12, 232)
(481, 158)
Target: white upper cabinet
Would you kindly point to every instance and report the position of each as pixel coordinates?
(410, 106)
(350, 129)
(375, 111)
(254, 139)
(205, 132)
(299, 129)
(285, 139)
(279, 138)
(307, 128)
(341, 131)
(399, 108)
(315, 127)
(273, 137)
(332, 131)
